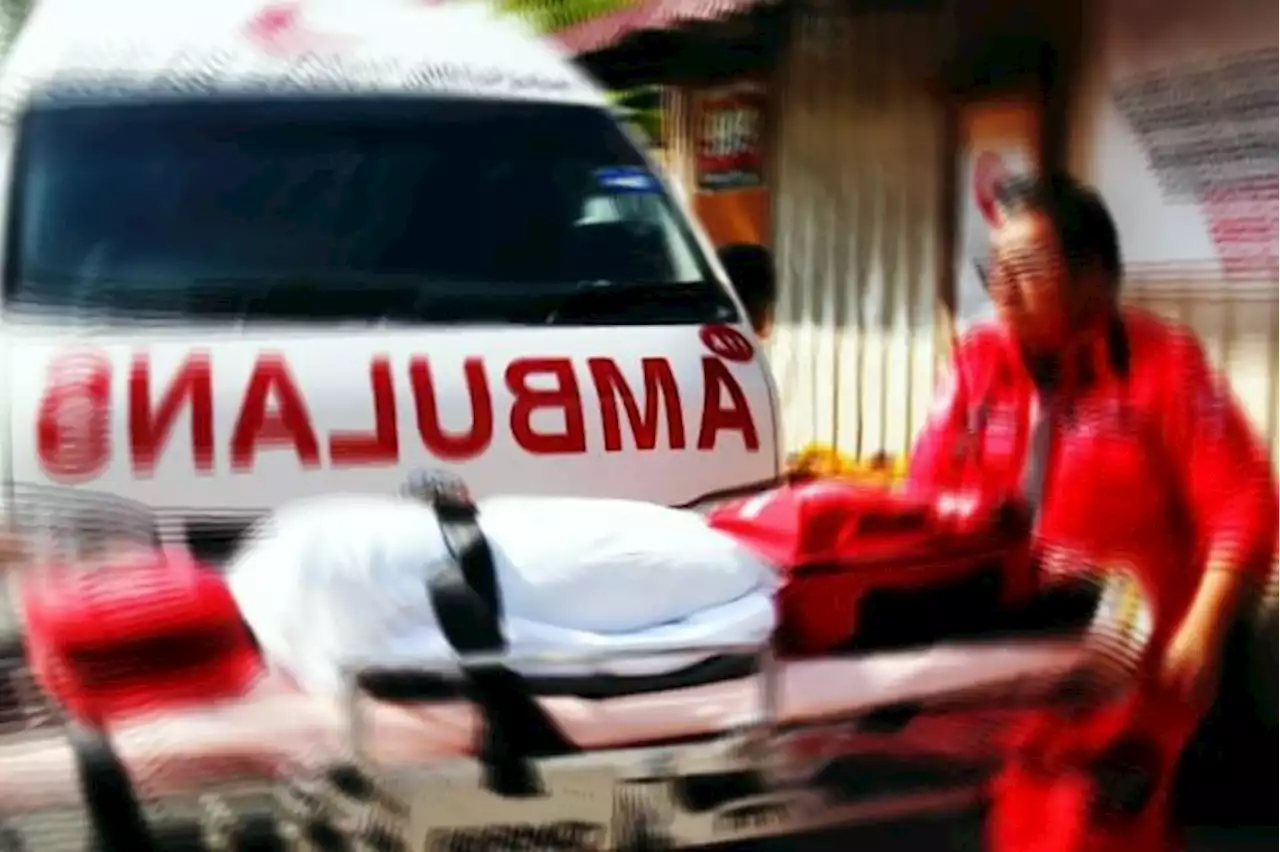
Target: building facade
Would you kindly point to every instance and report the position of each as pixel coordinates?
(1175, 119)
(868, 128)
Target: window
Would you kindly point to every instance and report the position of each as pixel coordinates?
(406, 210)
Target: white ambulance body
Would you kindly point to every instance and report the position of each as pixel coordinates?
(258, 252)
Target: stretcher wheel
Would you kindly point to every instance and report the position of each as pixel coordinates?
(116, 823)
(12, 659)
(12, 645)
(324, 836)
(257, 833)
(11, 840)
(13, 652)
(252, 833)
(184, 836)
(348, 780)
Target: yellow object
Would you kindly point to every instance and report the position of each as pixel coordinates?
(823, 461)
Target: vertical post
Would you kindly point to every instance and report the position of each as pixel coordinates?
(1062, 27)
(676, 132)
(354, 707)
(948, 186)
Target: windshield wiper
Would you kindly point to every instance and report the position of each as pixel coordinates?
(602, 302)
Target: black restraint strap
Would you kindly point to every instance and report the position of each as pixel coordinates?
(116, 819)
(468, 606)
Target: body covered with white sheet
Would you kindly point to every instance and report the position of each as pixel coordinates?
(347, 578)
(344, 579)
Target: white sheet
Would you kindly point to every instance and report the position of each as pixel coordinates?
(345, 577)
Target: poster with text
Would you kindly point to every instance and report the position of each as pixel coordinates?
(998, 139)
(1178, 129)
(730, 138)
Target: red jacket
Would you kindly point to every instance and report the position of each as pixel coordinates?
(1150, 465)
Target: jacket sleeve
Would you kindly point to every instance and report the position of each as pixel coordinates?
(933, 458)
(1226, 476)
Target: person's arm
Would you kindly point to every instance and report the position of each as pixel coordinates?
(1230, 493)
(934, 457)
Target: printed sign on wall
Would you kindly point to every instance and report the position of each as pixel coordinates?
(729, 145)
(1180, 134)
(999, 139)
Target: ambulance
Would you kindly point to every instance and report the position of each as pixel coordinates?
(256, 251)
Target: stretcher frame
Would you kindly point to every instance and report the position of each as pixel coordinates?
(282, 809)
(788, 803)
(284, 805)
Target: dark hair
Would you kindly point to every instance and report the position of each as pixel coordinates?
(750, 270)
(1080, 219)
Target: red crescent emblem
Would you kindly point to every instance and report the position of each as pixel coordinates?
(988, 171)
(279, 30)
(272, 23)
(725, 341)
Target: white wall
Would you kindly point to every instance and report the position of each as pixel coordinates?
(1192, 46)
(1200, 78)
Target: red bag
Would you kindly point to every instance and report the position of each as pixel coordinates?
(141, 631)
(863, 562)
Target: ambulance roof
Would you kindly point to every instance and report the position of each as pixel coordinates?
(144, 48)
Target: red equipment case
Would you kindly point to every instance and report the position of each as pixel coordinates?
(866, 566)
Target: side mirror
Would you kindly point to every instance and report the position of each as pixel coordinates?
(750, 270)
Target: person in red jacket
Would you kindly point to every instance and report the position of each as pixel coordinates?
(1130, 454)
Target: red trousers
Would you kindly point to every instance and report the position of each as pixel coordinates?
(1095, 783)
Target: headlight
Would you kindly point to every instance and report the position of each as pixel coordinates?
(67, 525)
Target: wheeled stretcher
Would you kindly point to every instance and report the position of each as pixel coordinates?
(796, 746)
(467, 754)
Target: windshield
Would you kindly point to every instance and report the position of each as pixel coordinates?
(422, 210)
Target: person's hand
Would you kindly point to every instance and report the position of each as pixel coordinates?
(1189, 669)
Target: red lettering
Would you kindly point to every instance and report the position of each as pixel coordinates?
(528, 400)
(288, 425)
(453, 446)
(382, 445)
(149, 427)
(717, 417)
(659, 390)
(73, 419)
